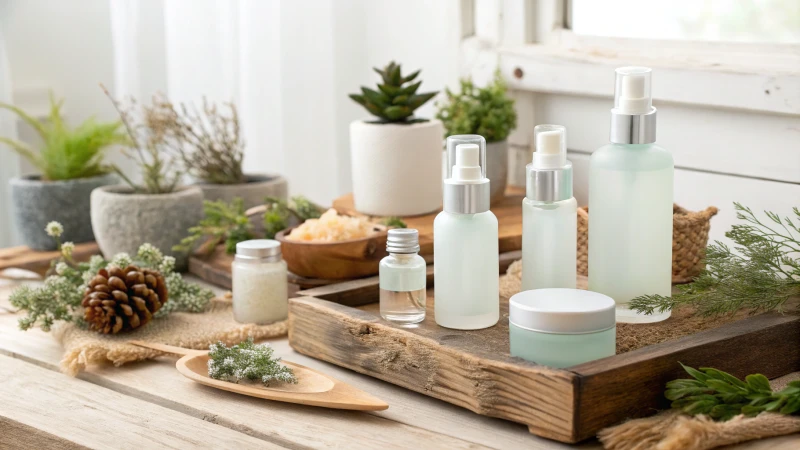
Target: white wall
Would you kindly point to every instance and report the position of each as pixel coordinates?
(310, 53)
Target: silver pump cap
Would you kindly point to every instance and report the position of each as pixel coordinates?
(402, 240)
(264, 249)
(549, 176)
(466, 188)
(633, 118)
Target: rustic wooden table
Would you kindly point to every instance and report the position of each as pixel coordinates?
(150, 405)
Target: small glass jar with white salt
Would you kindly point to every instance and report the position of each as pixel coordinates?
(260, 291)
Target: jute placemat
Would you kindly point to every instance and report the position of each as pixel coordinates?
(188, 330)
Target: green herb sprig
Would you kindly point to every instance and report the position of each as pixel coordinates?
(722, 396)
(247, 361)
(280, 212)
(223, 222)
(760, 274)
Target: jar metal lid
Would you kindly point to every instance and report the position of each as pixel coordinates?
(563, 311)
(258, 248)
(402, 240)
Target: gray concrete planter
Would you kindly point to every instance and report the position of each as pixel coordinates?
(497, 169)
(253, 192)
(122, 220)
(36, 202)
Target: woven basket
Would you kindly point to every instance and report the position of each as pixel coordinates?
(689, 240)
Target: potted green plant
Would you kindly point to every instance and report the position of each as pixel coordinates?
(158, 209)
(487, 111)
(208, 142)
(396, 160)
(70, 161)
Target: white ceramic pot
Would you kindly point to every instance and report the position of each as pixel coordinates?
(396, 169)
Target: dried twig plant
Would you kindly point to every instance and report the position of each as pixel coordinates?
(207, 140)
(160, 173)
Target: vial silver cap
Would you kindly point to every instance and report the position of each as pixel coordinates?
(402, 240)
(259, 249)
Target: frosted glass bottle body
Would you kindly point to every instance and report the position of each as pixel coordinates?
(630, 225)
(466, 270)
(402, 288)
(549, 244)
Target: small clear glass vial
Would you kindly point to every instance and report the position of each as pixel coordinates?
(402, 278)
(560, 327)
(260, 291)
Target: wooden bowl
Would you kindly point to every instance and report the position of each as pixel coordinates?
(340, 260)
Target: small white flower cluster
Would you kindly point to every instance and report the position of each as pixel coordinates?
(247, 361)
(54, 229)
(121, 260)
(61, 268)
(67, 248)
(149, 255)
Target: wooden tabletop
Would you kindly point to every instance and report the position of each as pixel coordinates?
(150, 405)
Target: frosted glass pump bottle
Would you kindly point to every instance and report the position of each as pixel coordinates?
(630, 203)
(549, 214)
(465, 249)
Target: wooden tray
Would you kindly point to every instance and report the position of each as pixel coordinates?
(216, 268)
(473, 369)
(39, 261)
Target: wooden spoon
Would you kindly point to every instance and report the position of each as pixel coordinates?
(313, 388)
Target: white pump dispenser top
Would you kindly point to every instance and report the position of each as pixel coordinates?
(551, 148)
(633, 95)
(467, 167)
(466, 187)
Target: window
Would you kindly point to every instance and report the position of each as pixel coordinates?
(755, 21)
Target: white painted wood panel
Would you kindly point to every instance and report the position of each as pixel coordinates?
(724, 141)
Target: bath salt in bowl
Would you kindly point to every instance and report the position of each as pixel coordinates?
(334, 247)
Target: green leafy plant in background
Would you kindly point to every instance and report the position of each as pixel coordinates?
(160, 172)
(722, 396)
(280, 213)
(247, 361)
(59, 297)
(396, 98)
(207, 140)
(67, 153)
(487, 111)
(223, 222)
(760, 274)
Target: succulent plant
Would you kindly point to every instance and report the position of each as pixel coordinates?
(396, 99)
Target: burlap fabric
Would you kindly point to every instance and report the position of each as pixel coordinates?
(671, 430)
(188, 330)
(689, 240)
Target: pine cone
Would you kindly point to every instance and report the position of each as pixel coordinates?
(123, 299)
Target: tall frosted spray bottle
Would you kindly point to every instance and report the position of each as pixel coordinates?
(465, 250)
(630, 203)
(549, 214)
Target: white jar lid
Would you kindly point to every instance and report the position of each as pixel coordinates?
(259, 248)
(564, 311)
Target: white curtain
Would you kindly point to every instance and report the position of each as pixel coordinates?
(9, 161)
(288, 65)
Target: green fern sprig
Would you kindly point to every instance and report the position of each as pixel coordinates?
(761, 273)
